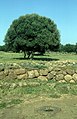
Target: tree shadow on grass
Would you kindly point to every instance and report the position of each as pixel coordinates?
(46, 59)
(41, 59)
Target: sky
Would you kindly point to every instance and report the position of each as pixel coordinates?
(63, 12)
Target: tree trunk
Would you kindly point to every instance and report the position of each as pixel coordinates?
(28, 53)
(32, 55)
(24, 54)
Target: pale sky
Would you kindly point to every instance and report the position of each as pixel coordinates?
(63, 12)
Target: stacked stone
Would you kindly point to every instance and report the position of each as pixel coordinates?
(58, 71)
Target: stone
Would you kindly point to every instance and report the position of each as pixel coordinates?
(31, 74)
(50, 69)
(72, 81)
(62, 81)
(59, 72)
(36, 73)
(2, 75)
(42, 78)
(75, 77)
(50, 76)
(23, 76)
(19, 71)
(57, 69)
(6, 72)
(43, 72)
(70, 71)
(68, 78)
(12, 75)
(76, 71)
(53, 73)
(64, 72)
(1, 67)
(59, 77)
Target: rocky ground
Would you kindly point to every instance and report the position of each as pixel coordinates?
(62, 71)
(44, 90)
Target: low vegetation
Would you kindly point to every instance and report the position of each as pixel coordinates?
(27, 101)
(24, 99)
(15, 94)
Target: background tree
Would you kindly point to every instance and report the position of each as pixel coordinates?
(2, 48)
(32, 33)
(76, 48)
(67, 48)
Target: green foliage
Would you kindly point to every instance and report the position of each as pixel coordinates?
(76, 48)
(2, 48)
(68, 48)
(32, 33)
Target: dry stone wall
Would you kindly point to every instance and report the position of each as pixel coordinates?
(65, 71)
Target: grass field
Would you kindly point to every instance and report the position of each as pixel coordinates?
(37, 99)
(6, 57)
(31, 101)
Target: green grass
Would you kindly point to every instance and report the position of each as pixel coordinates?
(10, 103)
(49, 89)
(7, 57)
(27, 99)
(23, 101)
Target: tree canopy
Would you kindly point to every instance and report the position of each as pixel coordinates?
(68, 48)
(32, 33)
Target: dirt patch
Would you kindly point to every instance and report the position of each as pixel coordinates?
(48, 108)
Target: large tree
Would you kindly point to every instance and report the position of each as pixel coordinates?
(31, 33)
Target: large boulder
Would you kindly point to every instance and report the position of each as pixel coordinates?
(59, 77)
(43, 72)
(36, 73)
(11, 74)
(50, 76)
(31, 74)
(68, 78)
(22, 76)
(75, 77)
(19, 71)
(70, 71)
